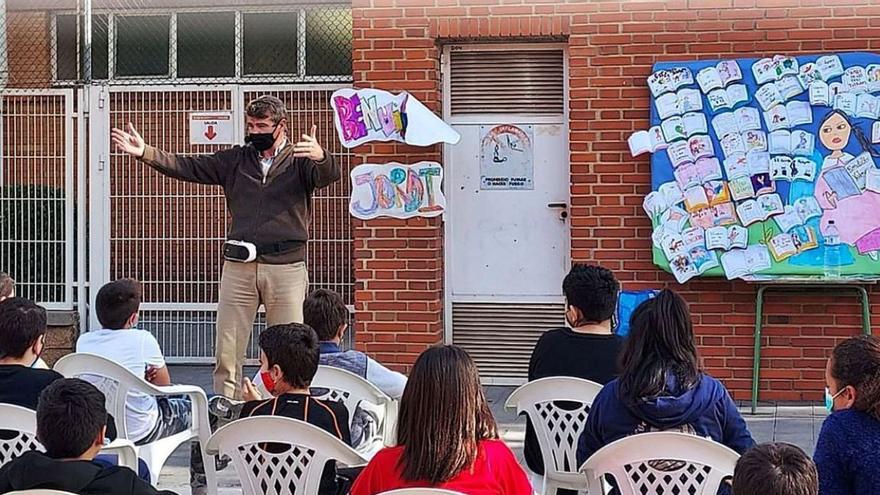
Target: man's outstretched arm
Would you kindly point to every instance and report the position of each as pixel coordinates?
(203, 169)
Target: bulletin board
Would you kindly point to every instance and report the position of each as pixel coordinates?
(765, 168)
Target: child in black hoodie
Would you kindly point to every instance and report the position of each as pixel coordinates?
(71, 421)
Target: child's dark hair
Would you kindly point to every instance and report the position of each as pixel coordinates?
(660, 343)
(117, 301)
(21, 324)
(7, 285)
(856, 362)
(593, 290)
(444, 415)
(294, 348)
(70, 414)
(863, 140)
(775, 469)
(325, 311)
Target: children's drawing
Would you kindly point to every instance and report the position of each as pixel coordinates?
(364, 115)
(855, 215)
(397, 190)
(810, 162)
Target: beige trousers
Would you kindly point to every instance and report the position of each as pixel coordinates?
(243, 287)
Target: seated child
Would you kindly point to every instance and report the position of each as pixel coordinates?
(775, 469)
(848, 449)
(325, 311)
(288, 362)
(661, 386)
(71, 420)
(587, 349)
(446, 435)
(22, 328)
(147, 418)
(7, 291)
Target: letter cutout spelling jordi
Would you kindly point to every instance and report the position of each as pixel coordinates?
(364, 115)
(397, 190)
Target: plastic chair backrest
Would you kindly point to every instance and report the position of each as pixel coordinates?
(296, 470)
(663, 462)
(347, 387)
(112, 379)
(558, 429)
(355, 392)
(117, 382)
(22, 422)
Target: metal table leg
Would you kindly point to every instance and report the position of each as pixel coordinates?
(759, 322)
(866, 310)
(756, 367)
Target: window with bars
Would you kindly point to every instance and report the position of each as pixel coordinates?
(300, 45)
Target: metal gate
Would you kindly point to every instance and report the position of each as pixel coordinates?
(37, 193)
(168, 234)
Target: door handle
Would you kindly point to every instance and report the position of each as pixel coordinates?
(563, 206)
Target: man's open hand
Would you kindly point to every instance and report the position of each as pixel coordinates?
(308, 147)
(129, 142)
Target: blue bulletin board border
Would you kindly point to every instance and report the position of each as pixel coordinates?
(810, 263)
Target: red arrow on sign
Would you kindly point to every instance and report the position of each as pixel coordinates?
(210, 134)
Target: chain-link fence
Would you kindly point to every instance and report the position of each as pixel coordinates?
(48, 43)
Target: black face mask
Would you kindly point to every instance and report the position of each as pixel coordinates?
(261, 141)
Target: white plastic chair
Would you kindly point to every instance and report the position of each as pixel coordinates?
(421, 491)
(351, 389)
(24, 421)
(702, 464)
(296, 471)
(116, 382)
(557, 429)
(39, 491)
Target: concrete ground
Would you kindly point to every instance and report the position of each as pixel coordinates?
(797, 424)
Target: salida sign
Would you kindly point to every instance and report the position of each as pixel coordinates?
(211, 128)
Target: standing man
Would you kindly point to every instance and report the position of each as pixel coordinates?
(268, 185)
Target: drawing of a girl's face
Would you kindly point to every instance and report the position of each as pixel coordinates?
(834, 132)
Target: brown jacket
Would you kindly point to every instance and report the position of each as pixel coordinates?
(264, 211)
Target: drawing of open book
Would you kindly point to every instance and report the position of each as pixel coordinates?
(840, 182)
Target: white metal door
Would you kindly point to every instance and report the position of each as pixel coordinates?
(509, 244)
(508, 183)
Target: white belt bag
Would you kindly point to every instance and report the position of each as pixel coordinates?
(245, 252)
(241, 251)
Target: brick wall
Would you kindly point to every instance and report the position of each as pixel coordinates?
(612, 45)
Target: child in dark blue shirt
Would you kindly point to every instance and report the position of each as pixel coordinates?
(660, 387)
(848, 451)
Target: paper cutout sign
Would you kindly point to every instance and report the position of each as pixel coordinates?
(364, 115)
(396, 190)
